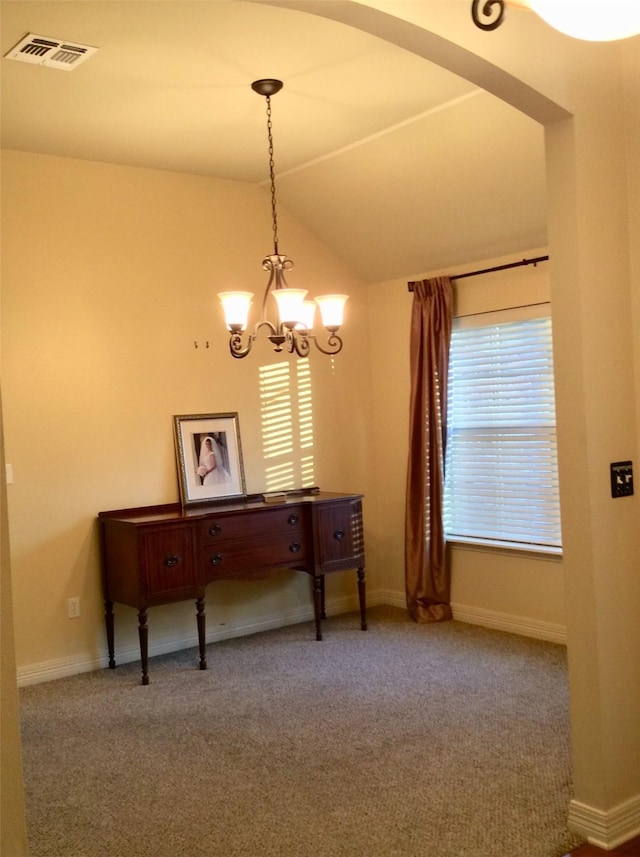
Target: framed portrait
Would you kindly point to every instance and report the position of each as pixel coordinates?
(209, 457)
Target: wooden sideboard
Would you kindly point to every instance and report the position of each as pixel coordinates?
(162, 554)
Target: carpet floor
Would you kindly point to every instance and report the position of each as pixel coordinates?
(443, 740)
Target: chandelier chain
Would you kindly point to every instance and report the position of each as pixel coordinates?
(274, 211)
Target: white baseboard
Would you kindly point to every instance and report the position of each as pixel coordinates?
(391, 597)
(609, 829)
(522, 625)
(63, 667)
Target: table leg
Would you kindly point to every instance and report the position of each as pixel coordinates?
(201, 620)
(143, 633)
(323, 611)
(362, 599)
(317, 604)
(108, 618)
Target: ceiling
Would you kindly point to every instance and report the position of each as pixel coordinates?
(400, 167)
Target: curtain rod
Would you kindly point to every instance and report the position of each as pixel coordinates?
(502, 309)
(533, 262)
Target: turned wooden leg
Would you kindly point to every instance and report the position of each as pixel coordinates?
(143, 633)
(108, 618)
(323, 611)
(317, 604)
(362, 598)
(201, 620)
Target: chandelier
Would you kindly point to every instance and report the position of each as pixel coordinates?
(293, 330)
(592, 20)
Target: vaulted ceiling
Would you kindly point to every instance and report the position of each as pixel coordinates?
(398, 166)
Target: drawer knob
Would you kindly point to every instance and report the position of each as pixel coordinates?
(215, 559)
(171, 560)
(215, 530)
(293, 519)
(339, 535)
(294, 547)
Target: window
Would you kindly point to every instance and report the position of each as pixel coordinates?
(501, 482)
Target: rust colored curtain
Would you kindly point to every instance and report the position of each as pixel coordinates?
(427, 577)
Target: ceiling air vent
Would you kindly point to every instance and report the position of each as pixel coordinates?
(41, 50)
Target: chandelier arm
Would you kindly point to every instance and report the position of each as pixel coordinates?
(275, 331)
(490, 19)
(236, 347)
(235, 340)
(298, 343)
(277, 337)
(334, 342)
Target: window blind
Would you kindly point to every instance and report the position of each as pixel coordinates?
(501, 473)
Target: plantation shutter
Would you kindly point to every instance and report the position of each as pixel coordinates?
(501, 474)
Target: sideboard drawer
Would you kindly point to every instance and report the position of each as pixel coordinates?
(234, 558)
(280, 522)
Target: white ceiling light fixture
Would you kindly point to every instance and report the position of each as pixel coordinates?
(293, 329)
(591, 20)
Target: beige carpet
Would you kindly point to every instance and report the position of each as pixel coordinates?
(404, 740)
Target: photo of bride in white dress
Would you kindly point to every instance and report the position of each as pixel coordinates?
(209, 457)
(211, 465)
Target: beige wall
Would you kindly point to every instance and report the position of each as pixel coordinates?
(109, 276)
(593, 291)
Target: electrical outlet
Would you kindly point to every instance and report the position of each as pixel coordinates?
(621, 479)
(74, 608)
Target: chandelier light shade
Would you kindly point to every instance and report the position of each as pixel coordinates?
(292, 331)
(592, 20)
(331, 310)
(290, 303)
(307, 320)
(236, 307)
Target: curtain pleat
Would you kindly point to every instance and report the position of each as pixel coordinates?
(427, 577)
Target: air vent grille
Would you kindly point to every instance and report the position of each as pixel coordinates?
(54, 53)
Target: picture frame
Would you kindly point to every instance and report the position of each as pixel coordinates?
(209, 457)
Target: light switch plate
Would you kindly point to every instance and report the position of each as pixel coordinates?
(621, 479)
